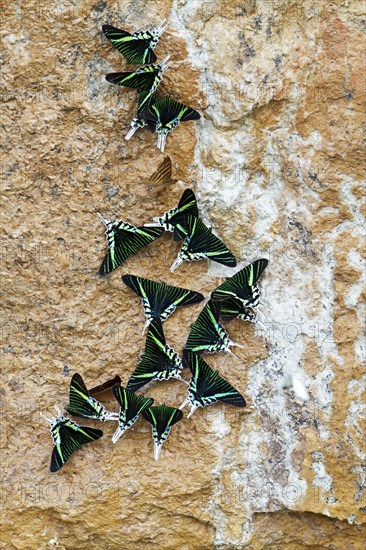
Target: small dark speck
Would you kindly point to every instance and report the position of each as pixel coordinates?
(257, 22)
(15, 386)
(100, 6)
(363, 509)
(66, 370)
(112, 191)
(265, 78)
(9, 349)
(278, 60)
(313, 177)
(248, 50)
(348, 94)
(269, 26)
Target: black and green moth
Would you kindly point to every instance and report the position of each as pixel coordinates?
(145, 80)
(207, 334)
(136, 47)
(158, 362)
(124, 240)
(83, 405)
(68, 437)
(201, 243)
(131, 406)
(207, 387)
(175, 219)
(243, 285)
(158, 299)
(166, 114)
(162, 418)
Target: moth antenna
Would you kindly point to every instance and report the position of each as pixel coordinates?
(103, 220)
(231, 353)
(237, 345)
(184, 404)
(259, 313)
(164, 61)
(192, 411)
(157, 449)
(161, 28)
(182, 379)
(176, 264)
(49, 420)
(58, 410)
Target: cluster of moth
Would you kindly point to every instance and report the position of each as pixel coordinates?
(160, 114)
(238, 297)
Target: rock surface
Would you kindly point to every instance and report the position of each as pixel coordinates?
(277, 166)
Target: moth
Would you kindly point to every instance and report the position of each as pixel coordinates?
(201, 243)
(131, 406)
(68, 437)
(103, 392)
(166, 114)
(145, 80)
(159, 361)
(207, 334)
(83, 405)
(136, 47)
(243, 285)
(162, 418)
(161, 179)
(158, 299)
(124, 240)
(175, 219)
(207, 387)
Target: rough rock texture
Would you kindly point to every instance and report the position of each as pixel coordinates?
(277, 166)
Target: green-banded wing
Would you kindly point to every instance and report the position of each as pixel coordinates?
(202, 240)
(166, 110)
(144, 100)
(207, 386)
(160, 297)
(132, 404)
(187, 207)
(71, 440)
(206, 332)
(162, 418)
(78, 398)
(128, 243)
(158, 360)
(134, 49)
(240, 285)
(233, 308)
(140, 81)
